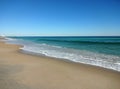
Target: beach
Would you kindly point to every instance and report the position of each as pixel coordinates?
(23, 71)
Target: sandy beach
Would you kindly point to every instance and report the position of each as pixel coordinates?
(23, 71)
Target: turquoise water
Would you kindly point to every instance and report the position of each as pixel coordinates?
(99, 51)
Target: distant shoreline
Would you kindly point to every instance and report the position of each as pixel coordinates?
(63, 36)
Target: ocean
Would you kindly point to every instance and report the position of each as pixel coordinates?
(102, 51)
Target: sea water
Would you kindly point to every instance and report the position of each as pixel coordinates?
(93, 50)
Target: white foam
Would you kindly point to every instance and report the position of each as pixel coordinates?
(117, 63)
(102, 60)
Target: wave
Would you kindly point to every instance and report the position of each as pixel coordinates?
(84, 41)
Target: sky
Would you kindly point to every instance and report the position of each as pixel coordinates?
(60, 17)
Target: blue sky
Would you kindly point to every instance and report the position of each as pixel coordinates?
(60, 17)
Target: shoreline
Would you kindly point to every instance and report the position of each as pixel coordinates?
(65, 60)
(39, 72)
(59, 59)
(21, 49)
(92, 62)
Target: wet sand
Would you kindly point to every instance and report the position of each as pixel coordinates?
(23, 71)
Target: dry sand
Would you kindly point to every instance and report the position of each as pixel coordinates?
(22, 71)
